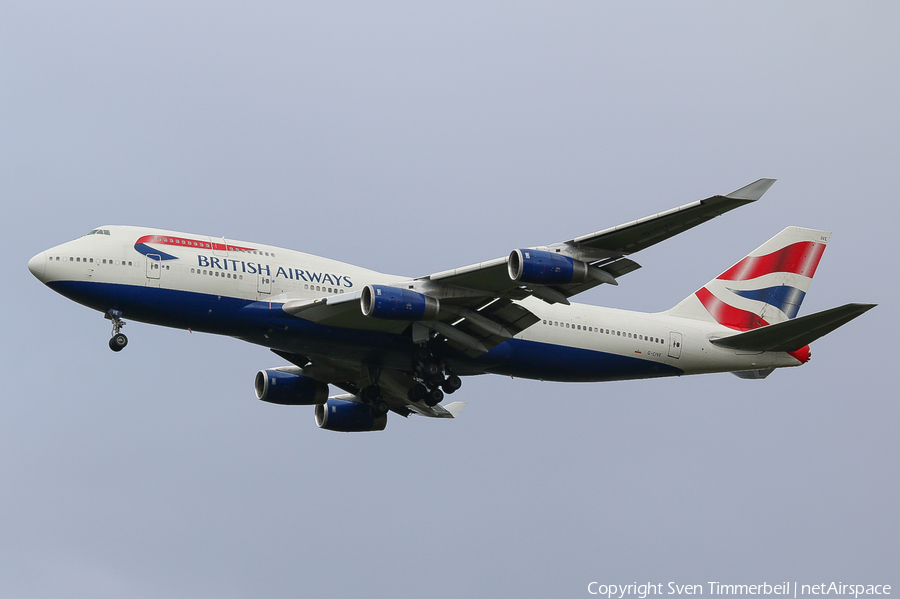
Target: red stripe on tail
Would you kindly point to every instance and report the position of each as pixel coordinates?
(727, 315)
(800, 258)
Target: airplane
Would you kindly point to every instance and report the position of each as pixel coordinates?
(399, 344)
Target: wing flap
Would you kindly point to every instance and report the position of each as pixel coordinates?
(513, 317)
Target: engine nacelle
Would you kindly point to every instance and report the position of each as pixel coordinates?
(289, 389)
(545, 268)
(393, 303)
(346, 416)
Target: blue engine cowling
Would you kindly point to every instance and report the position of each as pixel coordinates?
(345, 416)
(545, 268)
(393, 303)
(289, 389)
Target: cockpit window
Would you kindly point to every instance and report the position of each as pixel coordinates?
(98, 232)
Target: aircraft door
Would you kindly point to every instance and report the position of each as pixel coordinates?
(219, 246)
(264, 283)
(153, 266)
(675, 340)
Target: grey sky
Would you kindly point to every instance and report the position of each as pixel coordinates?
(414, 138)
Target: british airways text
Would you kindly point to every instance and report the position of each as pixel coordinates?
(286, 273)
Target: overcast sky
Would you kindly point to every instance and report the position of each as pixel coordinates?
(413, 138)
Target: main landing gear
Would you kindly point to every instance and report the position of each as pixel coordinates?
(118, 341)
(434, 379)
(372, 395)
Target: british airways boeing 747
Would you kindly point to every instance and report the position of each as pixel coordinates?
(398, 344)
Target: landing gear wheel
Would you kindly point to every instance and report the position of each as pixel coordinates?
(380, 408)
(417, 392)
(452, 384)
(118, 342)
(431, 369)
(422, 354)
(434, 397)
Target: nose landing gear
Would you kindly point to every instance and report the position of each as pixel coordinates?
(118, 341)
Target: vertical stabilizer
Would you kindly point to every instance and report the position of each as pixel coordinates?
(766, 287)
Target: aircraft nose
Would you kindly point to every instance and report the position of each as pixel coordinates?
(37, 265)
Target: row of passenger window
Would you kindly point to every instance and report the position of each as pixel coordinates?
(90, 260)
(592, 329)
(228, 275)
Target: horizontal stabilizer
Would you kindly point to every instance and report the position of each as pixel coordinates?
(792, 335)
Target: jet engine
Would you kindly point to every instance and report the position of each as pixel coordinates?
(545, 268)
(393, 303)
(289, 389)
(346, 416)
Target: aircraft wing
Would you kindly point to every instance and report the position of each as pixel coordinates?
(477, 307)
(605, 250)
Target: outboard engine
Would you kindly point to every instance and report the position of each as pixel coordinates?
(289, 389)
(545, 268)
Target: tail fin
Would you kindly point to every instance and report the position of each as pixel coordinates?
(766, 287)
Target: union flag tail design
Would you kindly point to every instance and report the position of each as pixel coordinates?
(766, 287)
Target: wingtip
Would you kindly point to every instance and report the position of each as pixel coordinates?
(752, 192)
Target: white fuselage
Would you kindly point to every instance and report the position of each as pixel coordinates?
(210, 279)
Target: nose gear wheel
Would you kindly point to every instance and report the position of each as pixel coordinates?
(118, 341)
